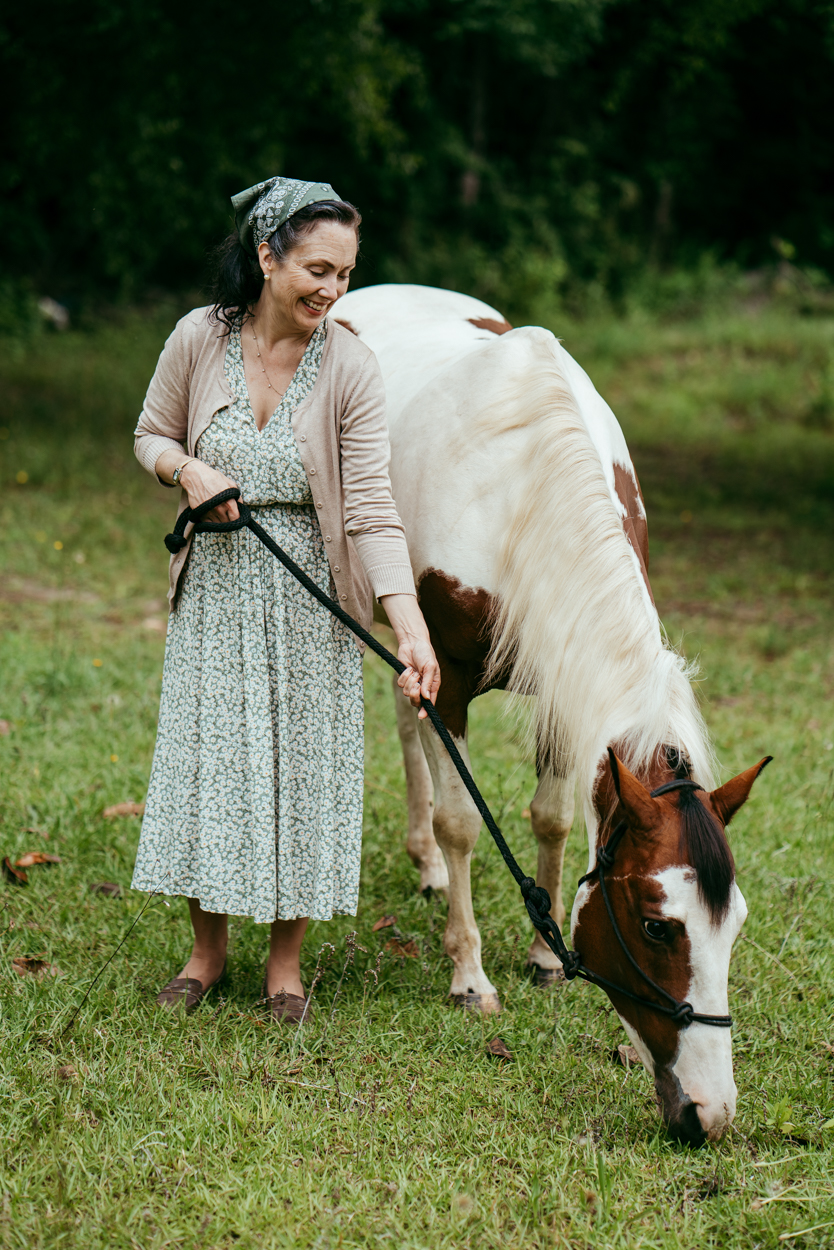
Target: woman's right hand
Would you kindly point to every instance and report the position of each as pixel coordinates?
(201, 483)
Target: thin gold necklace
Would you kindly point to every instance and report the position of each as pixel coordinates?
(263, 366)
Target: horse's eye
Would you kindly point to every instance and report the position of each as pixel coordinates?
(657, 930)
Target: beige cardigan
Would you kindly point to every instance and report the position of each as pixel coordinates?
(342, 437)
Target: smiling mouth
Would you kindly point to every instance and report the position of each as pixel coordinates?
(318, 309)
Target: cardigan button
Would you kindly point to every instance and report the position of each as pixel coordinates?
(312, 470)
(327, 538)
(319, 505)
(336, 568)
(302, 438)
(343, 597)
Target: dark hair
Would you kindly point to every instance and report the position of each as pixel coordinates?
(236, 277)
(703, 843)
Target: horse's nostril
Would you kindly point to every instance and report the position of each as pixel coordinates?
(686, 1126)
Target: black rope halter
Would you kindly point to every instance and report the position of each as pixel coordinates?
(536, 897)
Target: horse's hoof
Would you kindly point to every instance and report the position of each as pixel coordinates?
(484, 1004)
(545, 978)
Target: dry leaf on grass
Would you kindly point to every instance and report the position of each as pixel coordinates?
(384, 922)
(36, 857)
(5, 728)
(625, 1056)
(499, 1048)
(125, 809)
(13, 874)
(43, 833)
(406, 947)
(67, 1073)
(106, 887)
(32, 966)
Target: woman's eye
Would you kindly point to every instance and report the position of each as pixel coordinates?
(657, 930)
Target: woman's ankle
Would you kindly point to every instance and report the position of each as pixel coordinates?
(283, 979)
(205, 966)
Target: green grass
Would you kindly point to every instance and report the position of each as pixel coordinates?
(387, 1121)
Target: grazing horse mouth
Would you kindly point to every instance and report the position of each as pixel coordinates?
(685, 1127)
(679, 1112)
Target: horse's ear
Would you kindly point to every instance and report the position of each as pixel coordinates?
(727, 799)
(642, 810)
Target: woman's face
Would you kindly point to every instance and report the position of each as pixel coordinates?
(301, 290)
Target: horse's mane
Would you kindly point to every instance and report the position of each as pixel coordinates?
(704, 845)
(573, 624)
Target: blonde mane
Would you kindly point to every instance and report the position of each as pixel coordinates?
(573, 624)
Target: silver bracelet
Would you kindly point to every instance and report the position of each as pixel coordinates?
(177, 474)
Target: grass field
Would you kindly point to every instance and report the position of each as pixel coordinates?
(388, 1122)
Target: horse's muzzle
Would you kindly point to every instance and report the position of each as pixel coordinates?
(685, 1125)
(686, 1120)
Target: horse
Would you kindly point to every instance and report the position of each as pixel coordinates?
(529, 544)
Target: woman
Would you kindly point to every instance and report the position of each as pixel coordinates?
(254, 806)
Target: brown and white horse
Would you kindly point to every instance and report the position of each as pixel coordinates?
(529, 543)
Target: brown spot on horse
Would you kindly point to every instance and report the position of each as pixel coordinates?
(489, 323)
(635, 524)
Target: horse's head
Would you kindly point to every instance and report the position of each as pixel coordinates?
(674, 897)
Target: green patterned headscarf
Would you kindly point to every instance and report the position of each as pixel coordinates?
(261, 209)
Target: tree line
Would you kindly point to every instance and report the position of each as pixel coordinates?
(490, 144)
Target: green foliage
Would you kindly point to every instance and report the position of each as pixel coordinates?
(388, 1121)
(514, 148)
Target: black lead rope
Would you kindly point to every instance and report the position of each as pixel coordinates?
(536, 897)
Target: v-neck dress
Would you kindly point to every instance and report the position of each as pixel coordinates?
(254, 805)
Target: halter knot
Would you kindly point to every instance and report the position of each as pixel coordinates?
(605, 857)
(684, 1014)
(537, 902)
(571, 963)
(175, 543)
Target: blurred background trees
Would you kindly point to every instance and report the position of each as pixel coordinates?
(523, 150)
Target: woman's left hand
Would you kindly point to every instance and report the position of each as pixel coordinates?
(421, 678)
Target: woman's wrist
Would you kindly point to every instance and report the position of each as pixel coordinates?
(186, 472)
(405, 617)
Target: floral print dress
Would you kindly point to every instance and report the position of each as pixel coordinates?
(255, 799)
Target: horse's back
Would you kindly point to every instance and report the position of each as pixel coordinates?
(417, 332)
(458, 378)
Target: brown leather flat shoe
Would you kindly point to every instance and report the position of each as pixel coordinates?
(288, 1008)
(185, 992)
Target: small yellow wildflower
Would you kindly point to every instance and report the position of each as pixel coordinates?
(58, 545)
(114, 759)
(97, 663)
(21, 477)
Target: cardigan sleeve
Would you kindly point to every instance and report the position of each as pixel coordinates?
(371, 517)
(163, 423)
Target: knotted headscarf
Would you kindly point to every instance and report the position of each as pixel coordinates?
(261, 209)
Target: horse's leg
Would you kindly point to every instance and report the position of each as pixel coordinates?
(551, 815)
(456, 827)
(421, 846)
